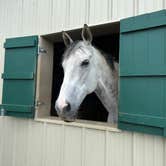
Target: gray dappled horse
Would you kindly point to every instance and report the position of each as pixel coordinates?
(86, 70)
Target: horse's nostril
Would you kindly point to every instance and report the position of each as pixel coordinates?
(67, 107)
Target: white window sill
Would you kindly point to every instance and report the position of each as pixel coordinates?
(80, 123)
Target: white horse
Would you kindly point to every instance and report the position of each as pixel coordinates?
(86, 70)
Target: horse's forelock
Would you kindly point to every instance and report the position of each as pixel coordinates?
(75, 45)
(70, 49)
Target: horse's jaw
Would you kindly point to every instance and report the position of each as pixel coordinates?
(107, 92)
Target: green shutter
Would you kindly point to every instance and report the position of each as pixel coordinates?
(19, 77)
(142, 99)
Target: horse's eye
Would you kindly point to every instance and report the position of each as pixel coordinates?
(85, 62)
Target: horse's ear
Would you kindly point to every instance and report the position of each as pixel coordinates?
(86, 34)
(67, 39)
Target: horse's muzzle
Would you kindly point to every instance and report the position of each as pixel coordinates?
(66, 114)
(67, 117)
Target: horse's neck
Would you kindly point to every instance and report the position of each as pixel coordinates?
(107, 91)
(107, 88)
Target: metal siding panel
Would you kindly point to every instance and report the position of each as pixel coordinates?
(122, 9)
(10, 26)
(164, 4)
(35, 144)
(1, 137)
(44, 16)
(138, 149)
(53, 149)
(149, 150)
(149, 6)
(8, 142)
(7, 17)
(94, 148)
(77, 13)
(158, 145)
(128, 148)
(83, 146)
(30, 20)
(120, 149)
(20, 144)
(164, 153)
(59, 15)
(98, 11)
(72, 146)
(14, 17)
(2, 14)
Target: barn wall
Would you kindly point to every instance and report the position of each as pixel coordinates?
(30, 143)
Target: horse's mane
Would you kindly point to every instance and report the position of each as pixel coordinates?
(108, 57)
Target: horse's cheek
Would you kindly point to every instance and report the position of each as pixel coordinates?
(92, 83)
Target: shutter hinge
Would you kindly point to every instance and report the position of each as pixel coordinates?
(39, 103)
(41, 50)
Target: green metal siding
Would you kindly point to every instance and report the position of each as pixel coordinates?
(142, 99)
(20, 76)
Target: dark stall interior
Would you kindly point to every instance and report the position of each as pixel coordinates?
(91, 108)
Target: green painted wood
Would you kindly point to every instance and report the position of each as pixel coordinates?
(142, 119)
(164, 132)
(142, 98)
(21, 115)
(18, 108)
(19, 76)
(142, 22)
(141, 128)
(143, 95)
(145, 52)
(28, 41)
